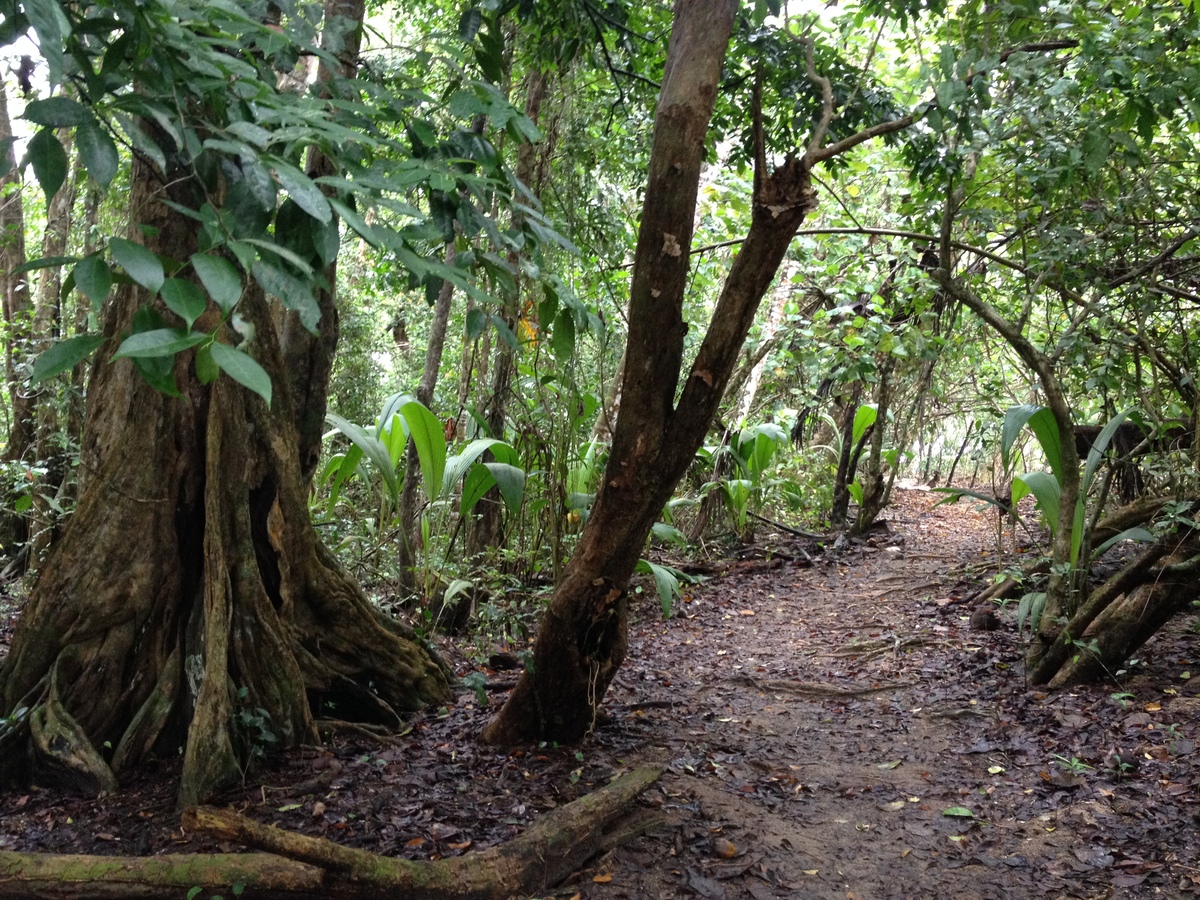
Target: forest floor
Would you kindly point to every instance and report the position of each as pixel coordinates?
(829, 728)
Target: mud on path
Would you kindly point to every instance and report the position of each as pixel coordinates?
(832, 729)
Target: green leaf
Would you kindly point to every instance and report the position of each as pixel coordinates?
(1041, 421)
(207, 370)
(220, 278)
(57, 112)
(157, 342)
(93, 277)
(1045, 488)
(478, 482)
(139, 263)
(243, 369)
(65, 355)
(864, 418)
(469, 22)
(510, 480)
(49, 161)
(476, 321)
(293, 292)
(1099, 448)
(666, 582)
(98, 152)
(426, 432)
(1129, 534)
(49, 22)
(958, 812)
(373, 449)
(562, 341)
(185, 299)
(302, 189)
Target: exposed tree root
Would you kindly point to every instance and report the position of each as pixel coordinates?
(298, 866)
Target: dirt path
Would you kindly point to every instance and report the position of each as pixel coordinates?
(817, 723)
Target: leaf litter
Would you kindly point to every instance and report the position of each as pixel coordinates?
(831, 727)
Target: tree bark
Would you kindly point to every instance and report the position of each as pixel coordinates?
(213, 596)
(17, 316)
(583, 636)
(308, 356)
(298, 866)
(1130, 619)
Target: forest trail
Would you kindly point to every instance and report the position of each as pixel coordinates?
(818, 723)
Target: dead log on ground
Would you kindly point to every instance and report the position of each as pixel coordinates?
(300, 867)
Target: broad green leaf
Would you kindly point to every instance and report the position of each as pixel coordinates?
(479, 481)
(1045, 488)
(953, 495)
(958, 812)
(864, 418)
(562, 341)
(373, 449)
(139, 263)
(1030, 608)
(1129, 534)
(49, 23)
(49, 161)
(476, 321)
(185, 299)
(457, 465)
(301, 189)
(43, 262)
(207, 370)
(426, 432)
(511, 482)
(668, 534)
(57, 112)
(1041, 422)
(1099, 448)
(347, 464)
(666, 582)
(65, 355)
(1014, 420)
(293, 292)
(220, 278)
(93, 277)
(158, 342)
(98, 152)
(243, 369)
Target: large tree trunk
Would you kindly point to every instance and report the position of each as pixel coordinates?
(190, 585)
(583, 636)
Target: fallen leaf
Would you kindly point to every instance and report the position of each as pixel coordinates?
(318, 810)
(602, 879)
(745, 612)
(958, 812)
(724, 849)
(888, 765)
(415, 842)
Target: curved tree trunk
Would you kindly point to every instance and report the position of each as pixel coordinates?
(583, 636)
(1130, 619)
(189, 585)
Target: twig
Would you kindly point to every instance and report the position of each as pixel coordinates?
(795, 531)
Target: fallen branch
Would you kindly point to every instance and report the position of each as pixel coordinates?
(299, 867)
(817, 690)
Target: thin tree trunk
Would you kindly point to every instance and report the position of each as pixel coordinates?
(484, 530)
(583, 636)
(406, 557)
(17, 315)
(308, 356)
(47, 326)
